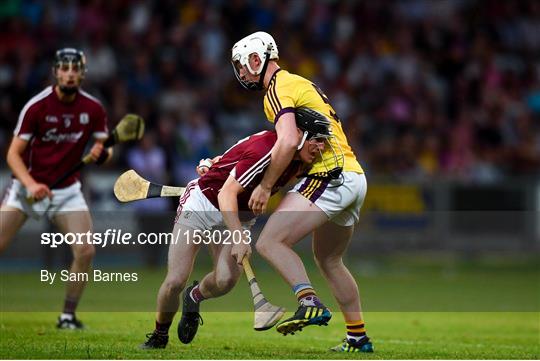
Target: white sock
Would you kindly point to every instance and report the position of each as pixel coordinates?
(355, 339)
(66, 316)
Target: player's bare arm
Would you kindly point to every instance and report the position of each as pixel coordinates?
(19, 169)
(97, 149)
(228, 205)
(282, 154)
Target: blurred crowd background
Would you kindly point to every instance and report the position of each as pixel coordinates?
(426, 89)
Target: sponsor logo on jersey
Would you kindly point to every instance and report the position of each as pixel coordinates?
(51, 119)
(84, 118)
(52, 135)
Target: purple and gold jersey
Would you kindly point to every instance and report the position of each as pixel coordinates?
(288, 91)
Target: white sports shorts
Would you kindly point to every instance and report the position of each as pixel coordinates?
(67, 199)
(197, 212)
(340, 202)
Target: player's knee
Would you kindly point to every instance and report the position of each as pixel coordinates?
(225, 283)
(263, 248)
(174, 285)
(328, 263)
(6, 235)
(4, 241)
(85, 253)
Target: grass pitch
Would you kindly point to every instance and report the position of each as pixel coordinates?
(414, 310)
(230, 336)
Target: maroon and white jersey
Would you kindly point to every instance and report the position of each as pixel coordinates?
(246, 161)
(58, 133)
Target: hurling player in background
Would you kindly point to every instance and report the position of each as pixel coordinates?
(220, 198)
(325, 202)
(52, 132)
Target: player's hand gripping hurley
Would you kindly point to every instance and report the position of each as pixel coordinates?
(130, 127)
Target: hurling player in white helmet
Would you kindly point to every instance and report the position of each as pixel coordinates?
(326, 201)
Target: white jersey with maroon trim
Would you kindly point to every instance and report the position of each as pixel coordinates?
(246, 161)
(58, 133)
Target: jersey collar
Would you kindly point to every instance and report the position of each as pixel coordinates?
(272, 77)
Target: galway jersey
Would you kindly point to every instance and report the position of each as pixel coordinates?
(288, 91)
(246, 161)
(58, 132)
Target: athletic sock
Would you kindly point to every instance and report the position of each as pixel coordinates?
(356, 332)
(306, 296)
(70, 305)
(163, 328)
(196, 294)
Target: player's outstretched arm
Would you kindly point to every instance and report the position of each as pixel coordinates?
(228, 205)
(15, 162)
(282, 155)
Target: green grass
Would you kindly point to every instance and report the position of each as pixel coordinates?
(394, 284)
(415, 309)
(229, 336)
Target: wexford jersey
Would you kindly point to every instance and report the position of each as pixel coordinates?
(288, 91)
(246, 161)
(58, 133)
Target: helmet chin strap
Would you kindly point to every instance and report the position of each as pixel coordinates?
(304, 137)
(260, 85)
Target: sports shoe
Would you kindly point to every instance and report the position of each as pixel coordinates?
(305, 316)
(189, 323)
(154, 340)
(363, 345)
(69, 323)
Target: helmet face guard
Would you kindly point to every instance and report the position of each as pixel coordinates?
(333, 158)
(73, 59)
(317, 126)
(70, 57)
(241, 61)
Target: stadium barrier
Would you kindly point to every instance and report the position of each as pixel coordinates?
(434, 216)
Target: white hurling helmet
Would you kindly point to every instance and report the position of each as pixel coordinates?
(259, 43)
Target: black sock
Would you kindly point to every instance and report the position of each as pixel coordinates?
(70, 304)
(163, 328)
